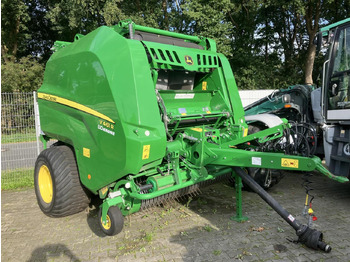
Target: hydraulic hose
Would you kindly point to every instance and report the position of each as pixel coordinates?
(310, 237)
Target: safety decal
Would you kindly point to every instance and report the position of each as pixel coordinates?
(183, 111)
(104, 190)
(207, 110)
(86, 152)
(204, 85)
(245, 132)
(287, 162)
(184, 96)
(145, 152)
(256, 161)
(197, 129)
(291, 218)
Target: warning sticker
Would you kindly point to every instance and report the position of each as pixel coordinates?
(183, 111)
(256, 161)
(291, 218)
(86, 152)
(287, 162)
(145, 153)
(184, 96)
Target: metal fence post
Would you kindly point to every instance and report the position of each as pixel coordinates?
(37, 122)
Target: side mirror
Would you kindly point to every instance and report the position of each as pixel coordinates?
(335, 89)
(286, 98)
(318, 42)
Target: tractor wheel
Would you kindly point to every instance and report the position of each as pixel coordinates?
(266, 178)
(58, 189)
(114, 223)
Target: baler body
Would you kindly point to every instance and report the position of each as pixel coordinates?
(142, 115)
(99, 96)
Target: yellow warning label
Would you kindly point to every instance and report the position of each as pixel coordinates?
(245, 132)
(86, 152)
(183, 114)
(198, 129)
(204, 85)
(287, 162)
(145, 153)
(104, 190)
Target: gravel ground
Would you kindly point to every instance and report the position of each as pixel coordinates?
(193, 229)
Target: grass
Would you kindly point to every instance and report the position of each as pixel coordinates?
(217, 252)
(15, 179)
(18, 137)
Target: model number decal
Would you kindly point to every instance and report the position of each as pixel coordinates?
(102, 128)
(287, 162)
(106, 124)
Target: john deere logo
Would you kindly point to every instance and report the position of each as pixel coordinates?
(188, 60)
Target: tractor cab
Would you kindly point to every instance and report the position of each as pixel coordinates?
(336, 72)
(335, 96)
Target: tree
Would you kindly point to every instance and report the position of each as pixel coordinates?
(312, 17)
(14, 15)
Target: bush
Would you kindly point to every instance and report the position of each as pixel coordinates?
(23, 75)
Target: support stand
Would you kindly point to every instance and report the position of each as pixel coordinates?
(238, 188)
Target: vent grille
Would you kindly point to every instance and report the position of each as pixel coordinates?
(167, 58)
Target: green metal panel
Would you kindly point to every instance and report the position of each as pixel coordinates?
(109, 74)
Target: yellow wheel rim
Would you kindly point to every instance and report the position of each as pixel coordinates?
(45, 184)
(108, 223)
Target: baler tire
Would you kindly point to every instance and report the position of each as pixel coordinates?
(115, 221)
(58, 189)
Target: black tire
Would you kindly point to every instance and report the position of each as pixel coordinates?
(266, 178)
(115, 221)
(58, 189)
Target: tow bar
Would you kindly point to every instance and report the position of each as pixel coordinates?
(312, 238)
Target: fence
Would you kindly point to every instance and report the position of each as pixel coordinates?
(19, 145)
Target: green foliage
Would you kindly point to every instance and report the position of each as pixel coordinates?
(14, 17)
(267, 42)
(23, 75)
(208, 18)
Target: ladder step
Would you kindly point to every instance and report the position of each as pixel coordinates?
(341, 139)
(341, 158)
